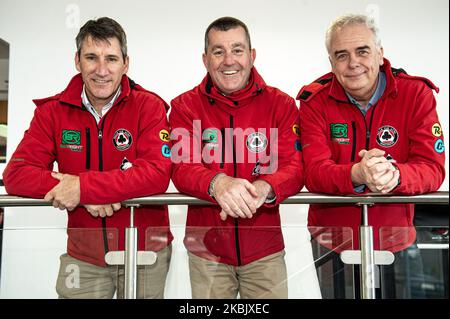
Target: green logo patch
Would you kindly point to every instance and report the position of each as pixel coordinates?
(209, 136)
(70, 137)
(339, 130)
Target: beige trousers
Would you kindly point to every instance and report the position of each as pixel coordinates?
(263, 278)
(79, 279)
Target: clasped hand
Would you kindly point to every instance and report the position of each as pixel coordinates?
(375, 171)
(238, 197)
(66, 195)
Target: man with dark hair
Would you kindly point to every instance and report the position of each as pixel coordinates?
(109, 137)
(368, 127)
(247, 162)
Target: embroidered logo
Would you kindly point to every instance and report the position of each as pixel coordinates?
(339, 133)
(387, 136)
(122, 139)
(296, 129)
(439, 146)
(164, 135)
(209, 136)
(165, 150)
(257, 169)
(72, 140)
(256, 142)
(436, 130)
(126, 164)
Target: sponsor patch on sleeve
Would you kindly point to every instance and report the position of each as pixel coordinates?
(439, 146)
(436, 130)
(164, 135)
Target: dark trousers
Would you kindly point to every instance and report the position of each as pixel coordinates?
(404, 279)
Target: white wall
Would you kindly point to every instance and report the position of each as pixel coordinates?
(165, 40)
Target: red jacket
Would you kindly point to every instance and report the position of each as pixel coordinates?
(404, 123)
(258, 107)
(62, 130)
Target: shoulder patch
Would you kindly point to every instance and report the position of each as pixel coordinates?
(401, 73)
(308, 91)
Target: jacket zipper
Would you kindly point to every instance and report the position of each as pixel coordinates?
(88, 148)
(222, 131)
(354, 141)
(368, 130)
(100, 168)
(236, 222)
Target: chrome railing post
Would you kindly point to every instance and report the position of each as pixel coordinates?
(131, 240)
(367, 273)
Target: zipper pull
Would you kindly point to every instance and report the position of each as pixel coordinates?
(100, 134)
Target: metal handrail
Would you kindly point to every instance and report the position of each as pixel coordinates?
(365, 236)
(440, 198)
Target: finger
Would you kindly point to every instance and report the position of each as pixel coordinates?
(376, 160)
(250, 202)
(385, 181)
(94, 213)
(109, 210)
(223, 215)
(101, 212)
(61, 207)
(251, 188)
(57, 175)
(229, 203)
(374, 152)
(237, 210)
(373, 188)
(55, 204)
(227, 210)
(49, 196)
(362, 153)
(242, 205)
(380, 169)
(392, 183)
(116, 206)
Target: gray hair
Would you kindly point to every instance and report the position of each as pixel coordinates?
(225, 24)
(350, 19)
(102, 29)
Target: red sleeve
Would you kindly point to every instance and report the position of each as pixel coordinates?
(322, 173)
(188, 176)
(28, 172)
(424, 171)
(287, 179)
(150, 173)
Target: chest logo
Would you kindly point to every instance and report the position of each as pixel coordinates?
(122, 139)
(387, 136)
(72, 140)
(339, 133)
(210, 138)
(256, 142)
